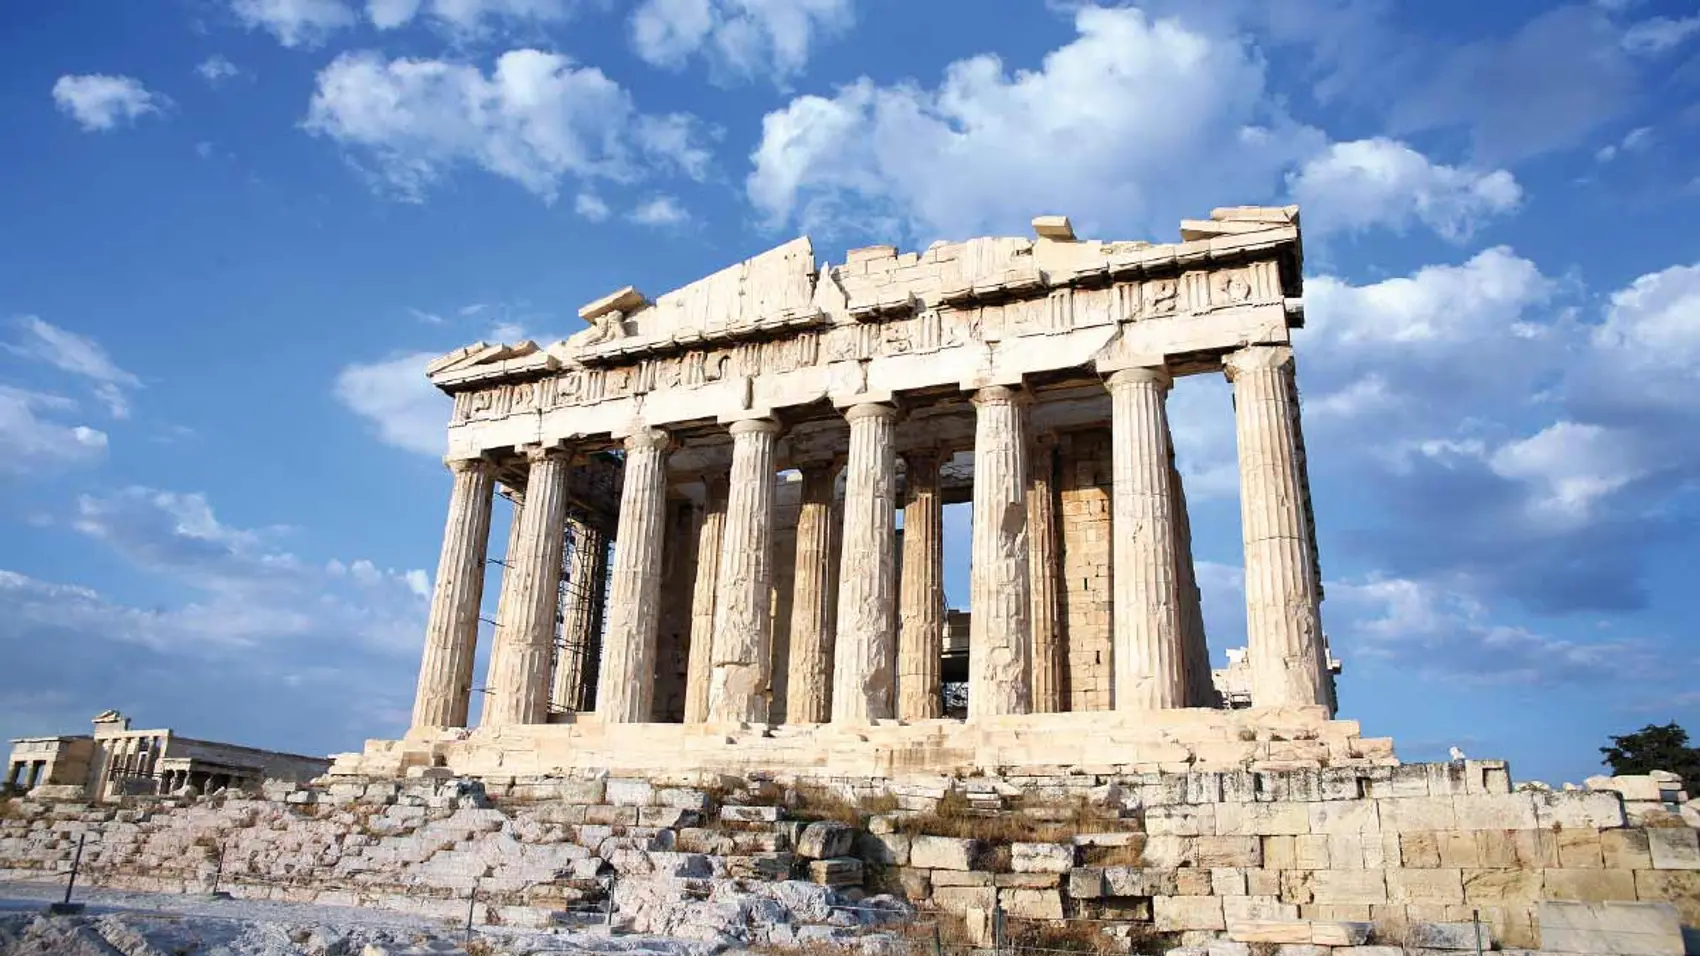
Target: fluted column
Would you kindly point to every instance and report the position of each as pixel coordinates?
(1043, 576)
(625, 690)
(743, 612)
(587, 584)
(451, 632)
(1283, 617)
(1195, 649)
(504, 602)
(1000, 626)
(701, 661)
(920, 611)
(1147, 637)
(808, 697)
(865, 651)
(519, 670)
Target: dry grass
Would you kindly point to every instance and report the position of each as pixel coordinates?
(812, 803)
(956, 817)
(1131, 855)
(1066, 936)
(9, 810)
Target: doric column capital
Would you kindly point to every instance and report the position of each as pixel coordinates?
(1001, 395)
(1149, 375)
(538, 453)
(464, 466)
(870, 410)
(648, 439)
(1257, 358)
(754, 426)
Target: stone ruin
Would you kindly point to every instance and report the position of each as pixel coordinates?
(716, 691)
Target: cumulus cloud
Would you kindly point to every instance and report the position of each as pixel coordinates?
(216, 69)
(394, 396)
(34, 435)
(304, 23)
(1135, 123)
(591, 207)
(738, 38)
(660, 211)
(1656, 35)
(536, 119)
(1355, 185)
(99, 102)
(463, 16)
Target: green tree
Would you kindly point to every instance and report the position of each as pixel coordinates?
(1655, 748)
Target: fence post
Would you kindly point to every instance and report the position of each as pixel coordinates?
(218, 869)
(938, 944)
(998, 942)
(608, 918)
(471, 904)
(1476, 920)
(65, 905)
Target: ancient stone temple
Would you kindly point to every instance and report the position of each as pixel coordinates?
(726, 543)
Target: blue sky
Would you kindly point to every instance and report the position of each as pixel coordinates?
(233, 230)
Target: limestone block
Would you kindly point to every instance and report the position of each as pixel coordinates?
(1031, 904)
(1170, 851)
(886, 849)
(1226, 947)
(1257, 907)
(1425, 886)
(962, 878)
(1602, 810)
(749, 814)
(1262, 819)
(1041, 857)
(1086, 883)
(1300, 949)
(684, 798)
(1227, 881)
(943, 853)
(1122, 838)
(1495, 811)
(836, 872)
(1028, 881)
(1349, 886)
(667, 817)
(915, 884)
(1270, 931)
(1674, 848)
(1458, 849)
(1448, 936)
(1340, 932)
(629, 793)
(1138, 881)
(1369, 951)
(1175, 913)
(1211, 851)
(1502, 886)
(961, 899)
(1589, 886)
(1346, 852)
(825, 838)
(1310, 852)
(1631, 786)
(1610, 929)
(1192, 881)
(1359, 816)
(602, 815)
(1419, 849)
(1181, 820)
(1579, 848)
(768, 867)
(1678, 887)
(1409, 780)
(1403, 814)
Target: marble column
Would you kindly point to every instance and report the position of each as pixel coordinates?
(1195, 649)
(581, 613)
(451, 632)
(709, 535)
(1147, 628)
(864, 654)
(920, 602)
(1283, 615)
(625, 690)
(808, 697)
(1043, 552)
(743, 608)
(504, 599)
(524, 648)
(1000, 605)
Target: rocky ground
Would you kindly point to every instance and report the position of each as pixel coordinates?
(163, 924)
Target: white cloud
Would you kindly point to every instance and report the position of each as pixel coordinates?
(31, 440)
(1441, 305)
(1656, 35)
(1134, 123)
(464, 16)
(295, 22)
(79, 355)
(1634, 141)
(1369, 182)
(1570, 466)
(99, 102)
(741, 38)
(591, 207)
(660, 211)
(216, 69)
(1655, 320)
(395, 396)
(536, 119)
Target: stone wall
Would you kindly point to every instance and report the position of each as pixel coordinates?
(1339, 856)
(1084, 490)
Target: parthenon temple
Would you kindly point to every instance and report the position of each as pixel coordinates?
(726, 547)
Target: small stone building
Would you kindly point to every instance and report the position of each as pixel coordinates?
(116, 760)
